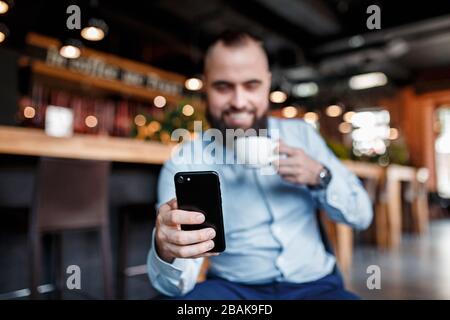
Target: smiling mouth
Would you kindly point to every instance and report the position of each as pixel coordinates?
(239, 119)
(240, 115)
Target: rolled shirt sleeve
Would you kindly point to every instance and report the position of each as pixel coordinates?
(344, 200)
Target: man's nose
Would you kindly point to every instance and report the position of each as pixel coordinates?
(239, 100)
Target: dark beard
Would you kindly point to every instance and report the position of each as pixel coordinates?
(258, 124)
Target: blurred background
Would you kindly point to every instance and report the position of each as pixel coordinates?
(88, 105)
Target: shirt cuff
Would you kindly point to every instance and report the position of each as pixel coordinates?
(337, 193)
(158, 266)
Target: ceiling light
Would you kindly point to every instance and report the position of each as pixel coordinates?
(289, 112)
(159, 101)
(356, 41)
(368, 80)
(5, 5)
(393, 134)
(278, 96)
(4, 32)
(71, 49)
(91, 121)
(306, 89)
(193, 84)
(311, 117)
(397, 48)
(188, 110)
(96, 30)
(348, 116)
(29, 112)
(333, 111)
(140, 120)
(345, 127)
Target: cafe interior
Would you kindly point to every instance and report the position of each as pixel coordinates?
(91, 90)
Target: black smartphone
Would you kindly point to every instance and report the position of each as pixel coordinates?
(200, 191)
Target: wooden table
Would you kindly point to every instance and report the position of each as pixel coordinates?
(395, 175)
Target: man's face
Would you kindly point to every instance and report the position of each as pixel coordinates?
(237, 82)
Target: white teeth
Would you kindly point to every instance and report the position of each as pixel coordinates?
(240, 115)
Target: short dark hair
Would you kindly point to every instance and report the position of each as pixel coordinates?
(236, 38)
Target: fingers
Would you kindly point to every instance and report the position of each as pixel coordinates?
(285, 149)
(176, 217)
(289, 166)
(175, 243)
(287, 162)
(190, 251)
(181, 237)
(287, 170)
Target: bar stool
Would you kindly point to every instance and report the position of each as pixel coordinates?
(128, 216)
(17, 176)
(415, 203)
(70, 195)
(133, 189)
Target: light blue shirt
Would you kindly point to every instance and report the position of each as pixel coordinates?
(270, 224)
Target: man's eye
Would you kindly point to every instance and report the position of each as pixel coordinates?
(222, 87)
(252, 86)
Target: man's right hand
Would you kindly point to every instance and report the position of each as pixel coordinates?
(172, 242)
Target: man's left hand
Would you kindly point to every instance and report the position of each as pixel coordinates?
(298, 167)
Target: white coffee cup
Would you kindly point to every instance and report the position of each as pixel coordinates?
(256, 151)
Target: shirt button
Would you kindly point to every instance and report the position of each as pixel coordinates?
(334, 197)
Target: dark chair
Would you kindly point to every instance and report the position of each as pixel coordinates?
(327, 244)
(70, 195)
(17, 176)
(133, 189)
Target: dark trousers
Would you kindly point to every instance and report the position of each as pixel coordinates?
(329, 287)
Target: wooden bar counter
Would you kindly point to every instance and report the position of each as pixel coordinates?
(34, 142)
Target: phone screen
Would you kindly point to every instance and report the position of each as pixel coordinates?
(200, 191)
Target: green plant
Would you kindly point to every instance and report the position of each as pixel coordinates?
(339, 149)
(160, 123)
(398, 152)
